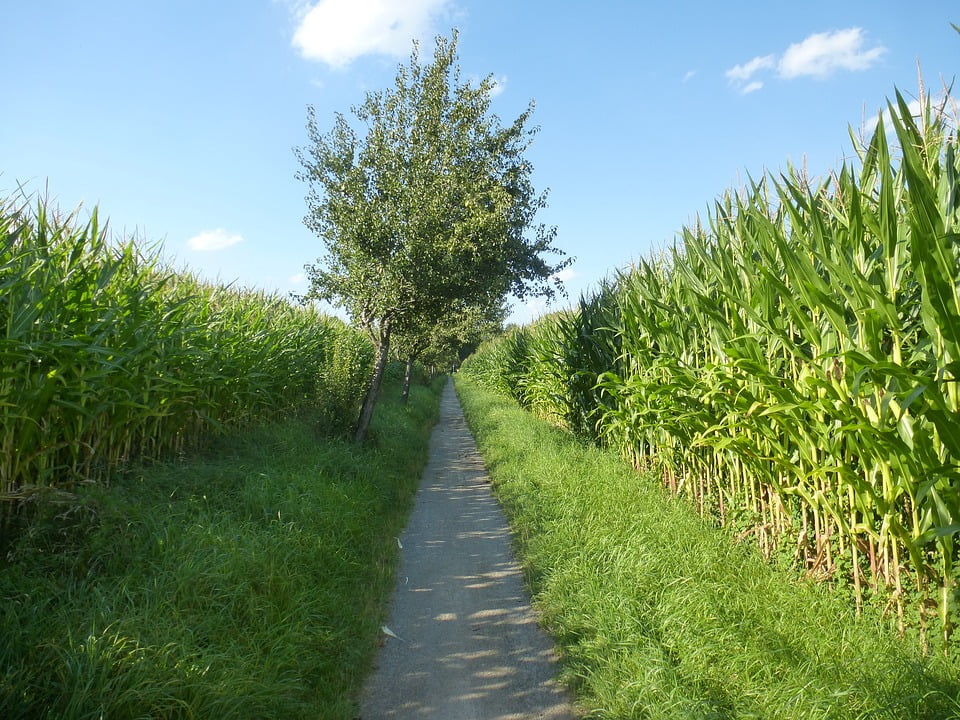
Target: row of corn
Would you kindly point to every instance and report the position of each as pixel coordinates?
(792, 366)
(106, 355)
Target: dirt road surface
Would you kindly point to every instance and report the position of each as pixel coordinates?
(468, 646)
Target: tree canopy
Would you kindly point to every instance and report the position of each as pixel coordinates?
(425, 205)
(443, 342)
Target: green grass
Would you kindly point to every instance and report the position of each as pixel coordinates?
(246, 582)
(659, 614)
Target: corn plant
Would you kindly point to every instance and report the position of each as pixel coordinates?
(108, 356)
(792, 366)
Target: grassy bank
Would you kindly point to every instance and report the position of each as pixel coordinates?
(659, 614)
(244, 583)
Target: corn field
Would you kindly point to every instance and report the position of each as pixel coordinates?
(791, 366)
(107, 356)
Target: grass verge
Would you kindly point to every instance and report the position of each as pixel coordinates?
(660, 615)
(249, 582)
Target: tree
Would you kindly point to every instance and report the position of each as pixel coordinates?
(431, 209)
(441, 341)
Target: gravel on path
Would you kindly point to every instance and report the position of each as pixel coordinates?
(467, 645)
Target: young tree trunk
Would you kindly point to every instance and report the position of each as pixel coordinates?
(373, 390)
(407, 375)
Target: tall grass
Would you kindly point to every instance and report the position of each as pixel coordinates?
(248, 580)
(658, 614)
(109, 356)
(792, 366)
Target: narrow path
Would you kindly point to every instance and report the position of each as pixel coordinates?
(469, 646)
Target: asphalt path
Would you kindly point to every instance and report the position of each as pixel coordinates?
(463, 641)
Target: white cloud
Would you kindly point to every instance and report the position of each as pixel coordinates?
(336, 32)
(949, 115)
(210, 240)
(565, 275)
(498, 86)
(689, 74)
(870, 123)
(743, 73)
(535, 308)
(822, 53)
(297, 279)
(297, 8)
(817, 55)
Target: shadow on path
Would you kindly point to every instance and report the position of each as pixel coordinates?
(470, 647)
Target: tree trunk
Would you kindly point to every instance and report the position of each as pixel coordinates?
(373, 390)
(405, 395)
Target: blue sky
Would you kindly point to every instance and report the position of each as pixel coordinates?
(178, 118)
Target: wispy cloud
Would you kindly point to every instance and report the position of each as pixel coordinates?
(535, 308)
(870, 123)
(941, 107)
(297, 8)
(499, 85)
(212, 240)
(817, 55)
(740, 76)
(689, 75)
(823, 53)
(337, 32)
(298, 279)
(565, 275)
(743, 73)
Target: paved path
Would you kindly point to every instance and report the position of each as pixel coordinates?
(470, 647)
